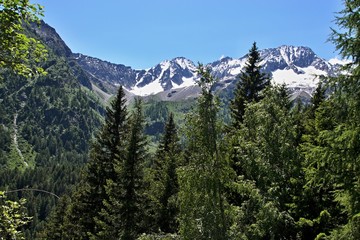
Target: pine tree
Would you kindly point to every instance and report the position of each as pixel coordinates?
(309, 120)
(270, 166)
(332, 154)
(165, 177)
(91, 193)
(56, 224)
(125, 209)
(249, 86)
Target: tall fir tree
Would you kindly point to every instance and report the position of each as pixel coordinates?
(270, 168)
(88, 199)
(249, 86)
(124, 211)
(57, 223)
(332, 155)
(165, 177)
(309, 120)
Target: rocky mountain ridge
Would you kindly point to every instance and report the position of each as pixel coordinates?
(296, 66)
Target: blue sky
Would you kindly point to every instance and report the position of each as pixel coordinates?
(142, 33)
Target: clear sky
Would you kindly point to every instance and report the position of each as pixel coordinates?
(142, 33)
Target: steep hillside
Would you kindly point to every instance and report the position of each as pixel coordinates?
(46, 125)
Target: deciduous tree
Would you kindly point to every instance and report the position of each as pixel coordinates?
(203, 178)
(18, 51)
(12, 218)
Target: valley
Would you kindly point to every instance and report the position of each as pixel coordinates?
(249, 142)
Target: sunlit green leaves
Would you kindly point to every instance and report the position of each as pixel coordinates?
(12, 218)
(18, 52)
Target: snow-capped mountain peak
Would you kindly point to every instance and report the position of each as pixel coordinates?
(176, 73)
(296, 66)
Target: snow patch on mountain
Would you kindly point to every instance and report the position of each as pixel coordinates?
(176, 73)
(227, 67)
(187, 82)
(308, 78)
(338, 61)
(149, 89)
(296, 66)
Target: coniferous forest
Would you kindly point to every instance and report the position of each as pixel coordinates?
(75, 168)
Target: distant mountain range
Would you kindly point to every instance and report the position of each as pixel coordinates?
(296, 66)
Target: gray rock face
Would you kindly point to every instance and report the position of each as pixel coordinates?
(295, 63)
(169, 73)
(172, 74)
(51, 38)
(105, 72)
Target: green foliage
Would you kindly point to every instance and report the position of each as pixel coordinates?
(268, 167)
(204, 174)
(331, 149)
(12, 218)
(348, 41)
(21, 156)
(125, 211)
(250, 84)
(164, 178)
(55, 227)
(159, 237)
(294, 172)
(91, 193)
(156, 113)
(56, 118)
(349, 231)
(18, 52)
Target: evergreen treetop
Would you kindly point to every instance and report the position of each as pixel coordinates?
(249, 86)
(165, 182)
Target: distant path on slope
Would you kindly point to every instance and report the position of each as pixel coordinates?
(16, 140)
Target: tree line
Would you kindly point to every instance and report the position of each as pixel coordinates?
(280, 170)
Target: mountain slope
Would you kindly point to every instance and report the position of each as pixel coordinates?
(176, 73)
(46, 125)
(296, 66)
(107, 75)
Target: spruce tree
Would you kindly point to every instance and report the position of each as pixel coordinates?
(91, 194)
(318, 97)
(165, 177)
(332, 155)
(56, 223)
(270, 168)
(124, 211)
(249, 86)
(251, 83)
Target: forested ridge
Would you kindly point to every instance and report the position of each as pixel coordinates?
(275, 169)
(46, 124)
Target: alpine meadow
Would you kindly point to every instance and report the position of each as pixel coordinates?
(262, 147)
